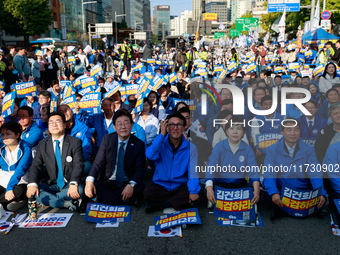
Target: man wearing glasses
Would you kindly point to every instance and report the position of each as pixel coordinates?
(175, 159)
(116, 173)
(62, 156)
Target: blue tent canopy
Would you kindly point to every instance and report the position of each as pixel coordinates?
(319, 34)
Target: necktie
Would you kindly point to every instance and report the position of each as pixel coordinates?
(310, 125)
(120, 165)
(60, 178)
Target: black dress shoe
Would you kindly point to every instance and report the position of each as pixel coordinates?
(152, 207)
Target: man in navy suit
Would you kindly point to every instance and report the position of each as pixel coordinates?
(116, 174)
(62, 156)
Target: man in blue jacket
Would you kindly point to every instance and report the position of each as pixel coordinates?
(331, 164)
(174, 159)
(31, 133)
(311, 125)
(76, 128)
(293, 153)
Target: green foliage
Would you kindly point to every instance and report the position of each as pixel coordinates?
(294, 19)
(122, 24)
(25, 17)
(154, 39)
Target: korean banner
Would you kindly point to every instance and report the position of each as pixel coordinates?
(91, 103)
(112, 91)
(71, 102)
(54, 102)
(90, 81)
(68, 91)
(48, 220)
(144, 85)
(298, 202)
(2, 85)
(96, 70)
(8, 104)
(309, 141)
(234, 204)
(187, 216)
(139, 106)
(39, 53)
(158, 81)
(263, 141)
(190, 102)
(64, 83)
(129, 89)
(87, 49)
(173, 78)
(71, 59)
(240, 223)
(25, 89)
(87, 90)
(149, 75)
(151, 60)
(100, 213)
(77, 81)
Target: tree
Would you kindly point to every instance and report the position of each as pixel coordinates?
(154, 39)
(25, 17)
(294, 19)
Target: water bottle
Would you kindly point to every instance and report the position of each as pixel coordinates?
(32, 208)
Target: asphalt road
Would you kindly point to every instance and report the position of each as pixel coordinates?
(283, 236)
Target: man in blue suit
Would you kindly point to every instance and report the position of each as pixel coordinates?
(116, 174)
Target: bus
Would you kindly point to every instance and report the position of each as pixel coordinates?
(37, 44)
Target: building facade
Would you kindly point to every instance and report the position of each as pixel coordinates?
(196, 9)
(221, 7)
(161, 14)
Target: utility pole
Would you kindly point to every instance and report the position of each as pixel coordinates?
(324, 5)
(312, 12)
(163, 30)
(90, 35)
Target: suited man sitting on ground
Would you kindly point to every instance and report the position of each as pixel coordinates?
(63, 157)
(116, 174)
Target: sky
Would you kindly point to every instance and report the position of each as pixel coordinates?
(176, 6)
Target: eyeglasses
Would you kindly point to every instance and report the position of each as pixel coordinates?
(23, 116)
(172, 126)
(57, 122)
(125, 124)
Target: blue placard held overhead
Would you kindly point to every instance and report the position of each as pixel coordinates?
(281, 5)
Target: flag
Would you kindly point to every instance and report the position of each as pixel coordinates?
(316, 20)
(221, 27)
(299, 39)
(275, 25)
(307, 27)
(282, 27)
(196, 127)
(111, 42)
(104, 40)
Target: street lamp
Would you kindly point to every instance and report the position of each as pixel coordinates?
(83, 12)
(136, 23)
(120, 15)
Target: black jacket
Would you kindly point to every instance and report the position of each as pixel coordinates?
(325, 136)
(134, 159)
(72, 161)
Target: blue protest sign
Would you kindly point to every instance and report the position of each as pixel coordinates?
(298, 202)
(234, 204)
(100, 213)
(187, 216)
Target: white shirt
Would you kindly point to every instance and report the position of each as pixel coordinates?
(11, 157)
(49, 60)
(108, 121)
(312, 120)
(61, 141)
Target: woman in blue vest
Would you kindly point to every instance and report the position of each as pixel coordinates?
(15, 159)
(233, 153)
